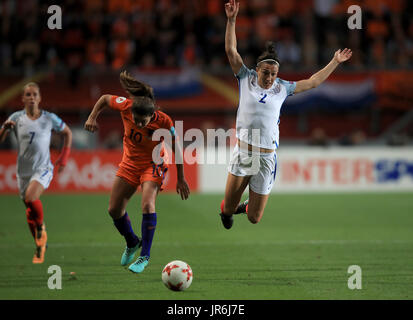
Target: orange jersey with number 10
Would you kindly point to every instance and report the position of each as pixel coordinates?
(137, 142)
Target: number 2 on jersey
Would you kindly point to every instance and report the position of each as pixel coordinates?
(31, 138)
(263, 98)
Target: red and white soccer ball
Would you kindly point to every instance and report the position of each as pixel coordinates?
(177, 275)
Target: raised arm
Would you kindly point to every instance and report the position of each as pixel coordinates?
(103, 102)
(235, 60)
(316, 79)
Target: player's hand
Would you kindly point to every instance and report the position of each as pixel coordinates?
(182, 189)
(342, 55)
(9, 124)
(91, 125)
(231, 9)
(60, 167)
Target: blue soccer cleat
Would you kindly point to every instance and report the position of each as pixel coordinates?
(129, 254)
(139, 265)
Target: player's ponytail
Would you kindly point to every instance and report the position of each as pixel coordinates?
(269, 55)
(143, 97)
(134, 87)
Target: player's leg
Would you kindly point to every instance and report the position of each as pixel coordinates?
(234, 189)
(256, 206)
(121, 192)
(260, 186)
(35, 218)
(150, 190)
(31, 221)
(33, 202)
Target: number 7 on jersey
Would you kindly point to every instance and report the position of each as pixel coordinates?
(31, 138)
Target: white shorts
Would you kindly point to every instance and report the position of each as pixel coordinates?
(262, 167)
(44, 177)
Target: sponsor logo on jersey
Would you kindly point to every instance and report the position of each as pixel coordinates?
(120, 99)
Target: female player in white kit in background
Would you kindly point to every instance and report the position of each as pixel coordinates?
(261, 97)
(32, 127)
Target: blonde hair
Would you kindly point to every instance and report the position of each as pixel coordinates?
(30, 84)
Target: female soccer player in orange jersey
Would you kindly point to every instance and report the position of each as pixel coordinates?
(140, 120)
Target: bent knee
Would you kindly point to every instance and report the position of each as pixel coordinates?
(148, 207)
(30, 198)
(254, 219)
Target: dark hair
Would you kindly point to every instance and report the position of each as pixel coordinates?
(143, 106)
(143, 97)
(269, 53)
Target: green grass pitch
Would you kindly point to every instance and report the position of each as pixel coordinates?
(301, 249)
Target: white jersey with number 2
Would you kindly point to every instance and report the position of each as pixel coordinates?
(260, 109)
(33, 137)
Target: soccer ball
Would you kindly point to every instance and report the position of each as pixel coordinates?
(177, 275)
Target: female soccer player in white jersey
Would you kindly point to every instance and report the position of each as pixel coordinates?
(32, 127)
(262, 94)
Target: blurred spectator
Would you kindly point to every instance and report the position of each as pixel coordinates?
(409, 42)
(116, 33)
(356, 137)
(397, 140)
(289, 51)
(27, 54)
(318, 138)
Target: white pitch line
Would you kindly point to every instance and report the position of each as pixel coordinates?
(206, 243)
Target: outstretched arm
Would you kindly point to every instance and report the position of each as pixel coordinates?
(103, 102)
(235, 60)
(316, 79)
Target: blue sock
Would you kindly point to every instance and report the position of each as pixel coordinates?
(148, 230)
(125, 229)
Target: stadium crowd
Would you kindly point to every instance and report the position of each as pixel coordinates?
(111, 34)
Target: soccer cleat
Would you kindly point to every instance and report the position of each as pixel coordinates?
(39, 254)
(40, 236)
(129, 253)
(227, 221)
(242, 207)
(139, 264)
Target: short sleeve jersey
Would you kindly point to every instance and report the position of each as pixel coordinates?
(33, 137)
(260, 108)
(138, 145)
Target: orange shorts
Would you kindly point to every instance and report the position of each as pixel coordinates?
(135, 176)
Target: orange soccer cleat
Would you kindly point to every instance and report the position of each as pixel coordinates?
(39, 255)
(41, 244)
(40, 236)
